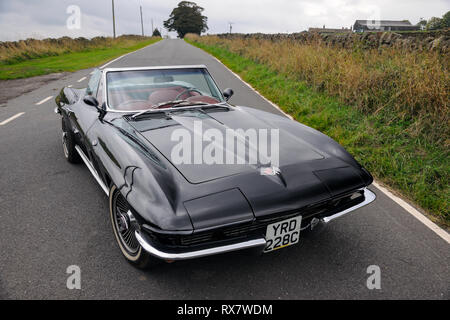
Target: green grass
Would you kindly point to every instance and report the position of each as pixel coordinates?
(66, 62)
(417, 169)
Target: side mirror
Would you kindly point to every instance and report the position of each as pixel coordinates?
(102, 111)
(90, 101)
(227, 93)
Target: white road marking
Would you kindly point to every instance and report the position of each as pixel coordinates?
(407, 207)
(107, 64)
(419, 216)
(44, 100)
(256, 91)
(11, 118)
(69, 86)
(82, 79)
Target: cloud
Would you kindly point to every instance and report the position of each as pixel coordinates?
(47, 18)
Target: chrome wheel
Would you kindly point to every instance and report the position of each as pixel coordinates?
(125, 224)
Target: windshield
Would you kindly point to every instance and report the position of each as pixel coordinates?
(147, 89)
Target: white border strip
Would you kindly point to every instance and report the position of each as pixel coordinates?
(44, 100)
(419, 216)
(116, 59)
(82, 79)
(11, 118)
(407, 207)
(248, 85)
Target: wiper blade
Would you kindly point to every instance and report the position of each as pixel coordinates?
(188, 103)
(162, 104)
(176, 103)
(156, 106)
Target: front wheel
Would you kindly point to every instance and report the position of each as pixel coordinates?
(68, 143)
(124, 227)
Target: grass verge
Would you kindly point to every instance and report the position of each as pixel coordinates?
(71, 61)
(407, 163)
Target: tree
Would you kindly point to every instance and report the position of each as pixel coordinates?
(446, 20)
(156, 33)
(187, 18)
(422, 24)
(434, 23)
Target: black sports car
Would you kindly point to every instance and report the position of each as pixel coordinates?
(190, 175)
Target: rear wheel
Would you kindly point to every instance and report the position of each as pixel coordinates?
(124, 227)
(68, 143)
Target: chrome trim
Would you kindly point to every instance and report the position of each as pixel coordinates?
(133, 220)
(196, 66)
(369, 197)
(256, 243)
(199, 106)
(92, 169)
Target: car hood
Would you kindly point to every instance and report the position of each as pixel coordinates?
(312, 167)
(188, 131)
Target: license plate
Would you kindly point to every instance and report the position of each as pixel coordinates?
(282, 234)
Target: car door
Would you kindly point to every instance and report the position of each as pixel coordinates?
(93, 135)
(83, 116)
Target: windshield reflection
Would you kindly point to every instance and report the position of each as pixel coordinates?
(150, 89)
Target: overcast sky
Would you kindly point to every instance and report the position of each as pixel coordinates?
(20, 19)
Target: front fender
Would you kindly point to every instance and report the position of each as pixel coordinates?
(142, 177)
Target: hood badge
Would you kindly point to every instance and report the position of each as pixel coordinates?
(274, 172)
(270, 171)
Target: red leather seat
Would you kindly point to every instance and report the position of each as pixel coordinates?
(163, 95)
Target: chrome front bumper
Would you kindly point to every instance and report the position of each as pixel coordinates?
(259, 243)
(256, 243)
(369, 197)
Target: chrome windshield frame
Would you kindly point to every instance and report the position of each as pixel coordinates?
(105, 87)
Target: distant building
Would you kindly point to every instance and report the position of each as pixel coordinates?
(328, 30)
(383, 25)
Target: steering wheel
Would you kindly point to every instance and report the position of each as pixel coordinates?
(187, 91)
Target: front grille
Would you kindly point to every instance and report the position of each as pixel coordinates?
(258, 226)
(196, 238)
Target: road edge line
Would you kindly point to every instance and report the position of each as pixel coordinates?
(413, 211)
(124, 55)
(256, 91)
(402, 203)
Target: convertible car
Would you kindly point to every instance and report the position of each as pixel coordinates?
(122, 127)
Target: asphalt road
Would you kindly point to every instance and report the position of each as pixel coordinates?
(53, 215)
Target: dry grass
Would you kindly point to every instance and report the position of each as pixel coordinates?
(411, 85)
(18, 51)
